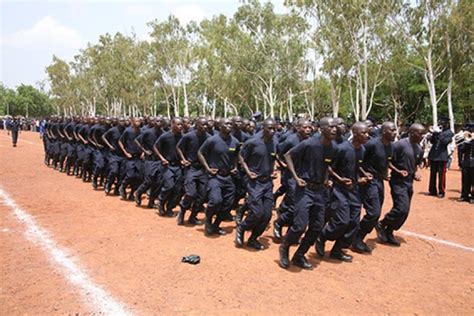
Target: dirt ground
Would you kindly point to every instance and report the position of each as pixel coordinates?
(136, 256)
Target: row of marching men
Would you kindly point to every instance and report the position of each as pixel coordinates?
(327, 174)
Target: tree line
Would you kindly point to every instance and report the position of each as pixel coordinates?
(400, 60)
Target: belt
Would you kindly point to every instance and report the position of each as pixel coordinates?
(223, 173)
(196, 165)
(174, 164)
(150, 158)
(264, 179)
(314, 185)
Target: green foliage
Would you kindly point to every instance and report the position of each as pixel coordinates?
(27, 101)
(347, 58)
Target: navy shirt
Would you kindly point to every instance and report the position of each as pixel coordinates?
(70, 127)
(240, 136)
(113, 136)
(190, 144)
(313, 159)
(98, 132)
(406, 156)
(166, 144)
(127, 138)
(147, 139)
(377, 157)
(84, 131)
(259, 155)
(290, 142)
(348, 160)
(220, 153)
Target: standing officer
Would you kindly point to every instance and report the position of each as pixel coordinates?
(146, 141)
(287, 207)
(195, 177)
(345, 200)
(466, 163)
(132, 153)
(438, 156)
(171, 173)
(315, 156)
(377, 158)
(407, 155)
(218, 155)
(257, 158)
(116, 158)
(15, 129)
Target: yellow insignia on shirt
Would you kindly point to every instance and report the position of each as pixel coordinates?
(273, 154)
(327, 160)
(231, 149)
(389, 158)
(360, 160)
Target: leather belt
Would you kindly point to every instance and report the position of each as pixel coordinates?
(223, 173)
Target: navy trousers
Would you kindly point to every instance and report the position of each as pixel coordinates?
(260, 203)
(402, 193)
(372, 195)
(344, 224)
(195, 186)
(309, 213)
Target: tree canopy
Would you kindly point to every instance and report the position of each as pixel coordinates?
(393, 59)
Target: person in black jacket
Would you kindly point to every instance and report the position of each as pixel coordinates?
(438, 156)
(466, 163)
(14, 129)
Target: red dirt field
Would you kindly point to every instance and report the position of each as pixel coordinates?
(136, 256)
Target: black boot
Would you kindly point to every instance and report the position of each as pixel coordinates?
(255, 244)
(122, 193)
(320, 244)
(300, 260)
(94, 183)
(138, 198)
(180, 218)
(277, 230)
(381, 233)
(338, 254)
(239, 236)
(284, 250)
(359, 245)
(208, 227)
(193, 218)
(391, 240)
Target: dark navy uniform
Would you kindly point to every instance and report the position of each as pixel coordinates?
(116, 158)
(287, 207)
(438, 157)
(86, 167)
(376, 160)
(406, 156)
(345, 201)
(171, 174)
(466, 162)
(240, 179)
(259, 156)
(14, 128)
(133, 172)
(71, 146)
(101, 153)
(314, 159)
(151, 171)
(195, 177)
(79, 151)
(220, 153)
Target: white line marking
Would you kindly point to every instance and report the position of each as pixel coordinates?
(440, 241)
(94, 295)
